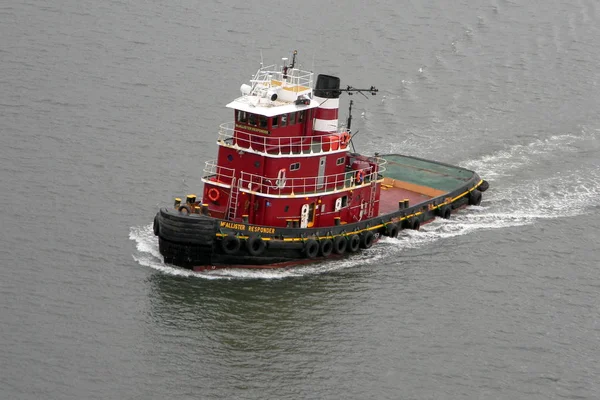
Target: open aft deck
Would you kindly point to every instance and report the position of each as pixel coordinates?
(417, 180)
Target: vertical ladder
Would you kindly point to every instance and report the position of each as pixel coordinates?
(372, 198)
(233, 198)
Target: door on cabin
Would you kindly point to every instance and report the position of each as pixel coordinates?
(321, 176)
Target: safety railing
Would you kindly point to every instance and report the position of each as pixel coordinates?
(272, 75)
(218, 174)
(282, 186)
(282, 146)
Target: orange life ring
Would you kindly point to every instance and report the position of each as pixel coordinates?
(360, 176)
(213, 194)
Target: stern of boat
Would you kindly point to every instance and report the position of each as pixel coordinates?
(184, 239)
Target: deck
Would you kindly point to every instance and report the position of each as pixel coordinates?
(417, 180)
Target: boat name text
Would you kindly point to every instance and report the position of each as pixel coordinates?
(252, 129)
(251, 228)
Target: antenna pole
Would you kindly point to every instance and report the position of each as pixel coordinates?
(349, 124)
(350, 90)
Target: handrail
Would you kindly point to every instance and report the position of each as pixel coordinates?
(282, 146)
(293, 77)
(275, 186)
(218, 174)
(283, 186)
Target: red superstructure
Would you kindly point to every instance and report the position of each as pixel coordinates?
(284, 161)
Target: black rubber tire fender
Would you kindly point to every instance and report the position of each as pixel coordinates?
(392, 230)
(311, 248)
(416, 224)
(156, 226)
(445, 212)
(340, 244)
(326, 247)
(475, 198)
(366, 239)
(255, 246)
(353, 243)
(230, 244)
(484, 186)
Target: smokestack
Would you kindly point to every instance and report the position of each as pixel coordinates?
(327, 94)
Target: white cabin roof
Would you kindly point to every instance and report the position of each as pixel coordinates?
(274, 91)
(246, 103)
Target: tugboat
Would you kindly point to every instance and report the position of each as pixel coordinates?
(286, 188)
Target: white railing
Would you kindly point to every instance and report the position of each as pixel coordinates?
(282, 186)
(218, 174)
(281, 146)
(293, 77)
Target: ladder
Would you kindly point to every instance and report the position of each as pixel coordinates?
(372, 198)
(233, 198)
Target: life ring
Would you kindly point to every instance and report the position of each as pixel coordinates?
(475, 198)
(360, 176)
(311, 248)
(339, 245)
(255, 246)
(354, 243)
(326, 247)
(230, 244)
(392, 230)
(366, 240)
(344, 140)
(213, 194)
(186, 207)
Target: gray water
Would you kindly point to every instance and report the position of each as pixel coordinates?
(109, 109)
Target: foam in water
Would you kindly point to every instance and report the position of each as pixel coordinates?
(518, 156)
(506, 204)
(149, 256)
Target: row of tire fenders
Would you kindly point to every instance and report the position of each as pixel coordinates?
(324, 247)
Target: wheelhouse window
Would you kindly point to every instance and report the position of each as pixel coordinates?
(292, 118)
(295, 166)
(262, 121)
(284, 119)
(275, 121)
(301, 116)
(242, 116)
(340, 161)
(252, 119)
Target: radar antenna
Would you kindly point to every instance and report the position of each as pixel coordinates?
(351, 90)
(291, 66)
